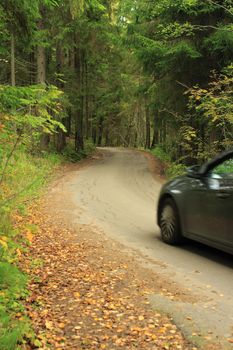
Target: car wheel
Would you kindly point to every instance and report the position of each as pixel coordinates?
(170, 223)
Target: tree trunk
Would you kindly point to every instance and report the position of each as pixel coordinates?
(79, 142)
(41, 76)
(164, 133)
(41, 56)
(87, 133)
(41, 65)
(147, 144)
(101, 129)
(91, 113)
(72, 59)
(68, 122)
(94, 135)
(61, 139)
(107, 139)
(156, 134)
(61, 135)
(13, 80)
(136, 140)
(83, 93)
(32, 73)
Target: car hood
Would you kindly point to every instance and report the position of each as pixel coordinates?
(175, 185)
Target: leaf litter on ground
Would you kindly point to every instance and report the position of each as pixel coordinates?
(86, 290)
(83, 296)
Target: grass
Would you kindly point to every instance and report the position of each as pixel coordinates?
(13, 289)
(23, 181)
(25, 177)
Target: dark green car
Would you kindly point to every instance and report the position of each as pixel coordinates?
(199, 205)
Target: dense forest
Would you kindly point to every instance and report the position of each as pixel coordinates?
(76, 74)
(118, 73)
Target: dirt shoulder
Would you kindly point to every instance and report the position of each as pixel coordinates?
(86, 292)
(156, 166)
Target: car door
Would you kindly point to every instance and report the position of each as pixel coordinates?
(218, 205)
(195, 219)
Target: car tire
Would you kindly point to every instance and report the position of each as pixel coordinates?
(170, 222)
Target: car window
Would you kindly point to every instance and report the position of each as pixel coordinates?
(221, 176)
(224, 169)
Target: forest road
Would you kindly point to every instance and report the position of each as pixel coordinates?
(117, 193)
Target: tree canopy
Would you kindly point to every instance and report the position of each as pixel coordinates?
(133, 73)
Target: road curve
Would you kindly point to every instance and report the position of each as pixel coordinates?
(118, 193)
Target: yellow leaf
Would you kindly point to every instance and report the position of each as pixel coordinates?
(61, 325)
(77, 295)
(3, 244)
(77, 328)
(49, 325)
(29, 236)
(18, 252)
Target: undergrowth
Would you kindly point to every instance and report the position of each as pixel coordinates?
(71, 155)
(172, 169)
(23, 181)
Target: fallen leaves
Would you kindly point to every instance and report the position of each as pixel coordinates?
(82, 299)
(49, 325)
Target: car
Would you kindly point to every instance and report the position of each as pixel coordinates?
(199, 205)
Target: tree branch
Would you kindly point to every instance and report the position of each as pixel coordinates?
(184, 85)
(9, 158)
(222, 6)
(202, 27)
(174, 114)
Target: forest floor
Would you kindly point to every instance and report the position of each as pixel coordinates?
(86, 292)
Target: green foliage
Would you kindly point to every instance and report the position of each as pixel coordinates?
(30, 111)
(175, 169)
(226, 168)
(220, 44)
(178, 44)
(12, 289)
(76, 8)
(171, 169)
(159, 153)
(71, 155)
(19, 15)
(213, 106)
(13, 333)
(26, 177)
(35, 101)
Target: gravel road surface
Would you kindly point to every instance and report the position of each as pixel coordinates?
(117, 193)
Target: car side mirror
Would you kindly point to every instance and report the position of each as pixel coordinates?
(194, 171)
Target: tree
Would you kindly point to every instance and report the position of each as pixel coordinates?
(179, 44)
(18, 17)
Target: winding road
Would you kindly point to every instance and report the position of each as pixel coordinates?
(117, 193)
